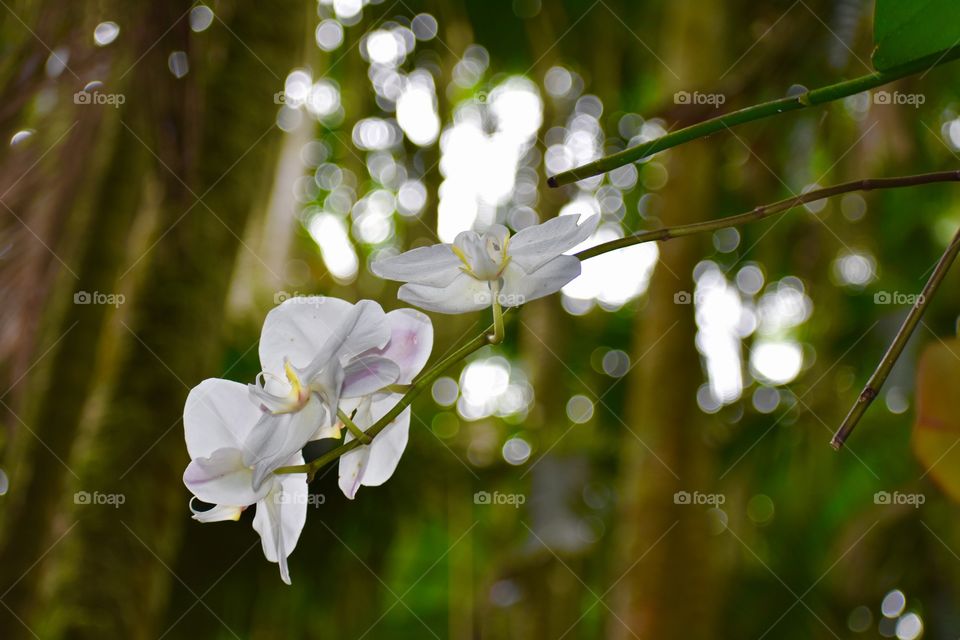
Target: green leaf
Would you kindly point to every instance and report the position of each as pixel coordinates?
(906, 30)
(936, 433)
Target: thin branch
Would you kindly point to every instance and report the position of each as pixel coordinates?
(766, 211)
(756, 112)
(490, 336)
(899, 342)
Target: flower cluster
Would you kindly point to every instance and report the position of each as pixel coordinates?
(323, 359)
(331, 369)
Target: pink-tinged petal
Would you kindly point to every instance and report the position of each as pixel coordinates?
(221, 478)
(520, 287)
(277, 437)
(352, 465)
(367, 374)
(411, 341)
(280, 518)
(463, 294)
(536, 245)
(217, 414)
(298, 329)
(435, 265)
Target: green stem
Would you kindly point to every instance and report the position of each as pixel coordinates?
(353, 428)
(769, 210)
(498, 332)
(899, 342)
(422, 382)
(756, 112)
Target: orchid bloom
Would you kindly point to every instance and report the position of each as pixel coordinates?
(217, 420)
(314, 351)
(476, 269)
(411, 340)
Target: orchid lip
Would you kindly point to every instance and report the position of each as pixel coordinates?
(293, 401)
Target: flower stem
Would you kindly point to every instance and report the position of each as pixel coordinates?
(765, 211)
(497, 336)
(422, 382)
(879, 376)
(756, 112)
(353, 428)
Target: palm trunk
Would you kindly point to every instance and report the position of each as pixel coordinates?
(668, 559)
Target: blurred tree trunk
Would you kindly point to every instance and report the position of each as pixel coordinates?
(667, 559)
(174, 343)
(207, 134)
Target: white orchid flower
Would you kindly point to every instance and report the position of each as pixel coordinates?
(217, 420)
(411, 340)
(476, 269)
(314, 351)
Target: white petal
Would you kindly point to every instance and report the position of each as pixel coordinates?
(4, 483)
(277, 437)
(367, 374)
(387, 449)
(411, 341)
(363, 329)
(298, 329)
(280, 518)
(218, 513)
(532, 247)
(460, 296)
(520, 287)
(373, 464)
(352, 465)
(436, 265)
(222, 478)
(217, 414)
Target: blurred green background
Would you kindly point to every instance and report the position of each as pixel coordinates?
(654, 440)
